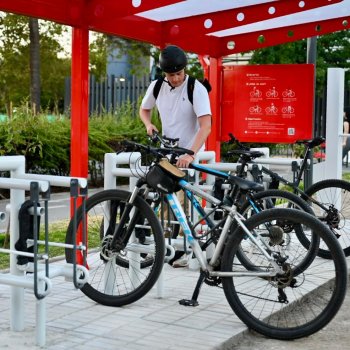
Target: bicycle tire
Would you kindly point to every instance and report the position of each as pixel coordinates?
(290, 305)
(109, 283)
(277, 239)
(334, 194)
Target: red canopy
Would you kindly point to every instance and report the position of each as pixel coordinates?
(206, 27)
(214, 28)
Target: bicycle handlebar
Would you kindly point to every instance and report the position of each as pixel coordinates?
(165, 141)
(159, 152)
(317, 141)
(170, 143)
(233, 141)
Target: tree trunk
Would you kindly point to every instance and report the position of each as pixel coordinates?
(35, 88)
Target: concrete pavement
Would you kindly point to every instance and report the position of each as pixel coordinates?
(75, 321)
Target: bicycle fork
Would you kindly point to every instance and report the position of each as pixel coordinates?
(118, 235)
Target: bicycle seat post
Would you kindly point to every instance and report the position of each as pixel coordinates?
(305, 168)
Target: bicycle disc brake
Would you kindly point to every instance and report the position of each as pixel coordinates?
(106, 252)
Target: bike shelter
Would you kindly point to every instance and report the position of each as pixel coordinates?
(213, 29)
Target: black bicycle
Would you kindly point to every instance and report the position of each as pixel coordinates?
(247, 201)
(329, 199)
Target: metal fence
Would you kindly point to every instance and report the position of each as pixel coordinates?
(110, 93)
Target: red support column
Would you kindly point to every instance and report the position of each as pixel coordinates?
(79, 112)
(80, 102)
(215, 79)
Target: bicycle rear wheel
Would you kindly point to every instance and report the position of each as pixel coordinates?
(112, 283)
(296, 303)
(281, 236)
(332, 207)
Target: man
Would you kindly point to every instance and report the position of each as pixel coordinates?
(191, 123)
(181, 118)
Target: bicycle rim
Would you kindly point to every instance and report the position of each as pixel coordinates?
(111, 281)
(335, 197)
(291, 305)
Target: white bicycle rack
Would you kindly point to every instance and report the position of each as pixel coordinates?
(113, 171)
(39, 277)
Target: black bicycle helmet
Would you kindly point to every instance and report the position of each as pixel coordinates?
(172, 59)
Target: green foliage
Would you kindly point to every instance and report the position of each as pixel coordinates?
(15, 64)
(333, 51)
(45, 142)
(107, 45)
(98, 56)
(106, 131)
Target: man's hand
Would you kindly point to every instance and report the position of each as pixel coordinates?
(150, 128)
(184, 161)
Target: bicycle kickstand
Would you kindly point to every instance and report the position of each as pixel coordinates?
(193, 301)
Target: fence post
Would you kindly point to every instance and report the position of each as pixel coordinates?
(335, 104)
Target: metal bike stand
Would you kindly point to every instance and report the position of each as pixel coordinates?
(33, 275)
(75, 194)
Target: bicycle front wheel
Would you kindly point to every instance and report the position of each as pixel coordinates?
(331, 204)
(291, 304)
(111, 282)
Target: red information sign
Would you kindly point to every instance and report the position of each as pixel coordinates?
(268, 103)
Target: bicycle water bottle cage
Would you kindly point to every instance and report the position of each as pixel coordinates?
(164, 177)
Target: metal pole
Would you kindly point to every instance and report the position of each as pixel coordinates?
(311, 56)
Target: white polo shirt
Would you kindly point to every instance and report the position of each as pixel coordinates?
(178, 116)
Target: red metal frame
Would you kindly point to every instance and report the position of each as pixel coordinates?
(215, 79)
(271, 37)
(192, 33)
(79, 109)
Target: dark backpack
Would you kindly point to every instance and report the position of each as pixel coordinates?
(26, 231)
(190, 87)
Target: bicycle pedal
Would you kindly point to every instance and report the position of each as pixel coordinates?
(188, 302)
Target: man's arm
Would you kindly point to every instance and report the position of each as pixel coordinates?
(201, 136)
(145, 115)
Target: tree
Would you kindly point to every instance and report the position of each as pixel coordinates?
(333, 50)
(15, 67)
(105, 45)
(34, 44)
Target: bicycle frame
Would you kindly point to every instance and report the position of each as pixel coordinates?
(230, 218)
(296, 181)
(294, 185)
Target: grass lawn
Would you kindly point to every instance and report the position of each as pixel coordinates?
(57, 233)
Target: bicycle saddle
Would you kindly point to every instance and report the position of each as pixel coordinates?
(246, 153)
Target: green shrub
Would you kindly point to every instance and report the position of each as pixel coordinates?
(45, 141)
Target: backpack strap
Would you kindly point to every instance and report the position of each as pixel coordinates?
(157, 87)
(190, 87)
